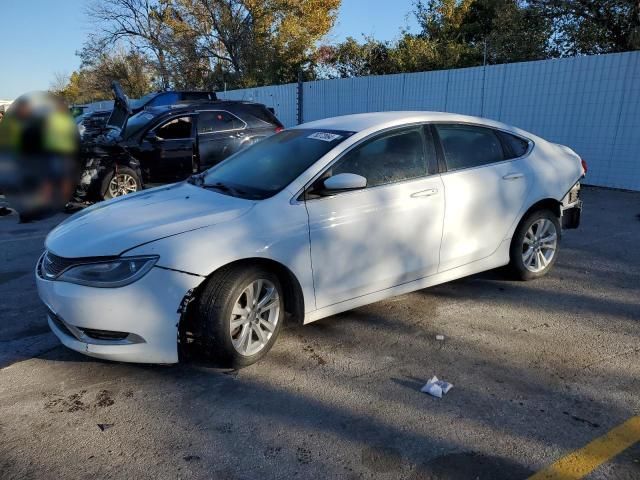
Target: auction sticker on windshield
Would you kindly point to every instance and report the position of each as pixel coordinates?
(324, 136)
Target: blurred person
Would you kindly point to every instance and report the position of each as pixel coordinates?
(38, 155)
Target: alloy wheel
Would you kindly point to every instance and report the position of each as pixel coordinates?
(121, 184)
(540, 245)
(254, 317)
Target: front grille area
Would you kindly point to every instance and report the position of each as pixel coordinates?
(53, 265)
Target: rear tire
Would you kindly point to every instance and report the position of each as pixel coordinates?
(121, 182)
(239, 314)
(535, 245)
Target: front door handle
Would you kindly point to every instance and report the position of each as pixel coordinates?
(425, 193)
(513, 176)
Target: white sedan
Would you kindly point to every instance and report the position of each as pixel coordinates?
(315, 220)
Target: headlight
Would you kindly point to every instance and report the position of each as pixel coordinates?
(111, 273)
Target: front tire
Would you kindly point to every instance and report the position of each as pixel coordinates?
(535, 245)
(239, 315)
(120, 182)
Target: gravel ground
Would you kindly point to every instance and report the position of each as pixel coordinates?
(539, 368)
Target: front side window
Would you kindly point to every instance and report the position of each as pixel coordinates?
(218, 121)
(175, 129)
(468, 146)
(389, 158)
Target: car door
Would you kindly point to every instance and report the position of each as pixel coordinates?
(167, 151)
(385, 234)
(220, 133)
(485, 190)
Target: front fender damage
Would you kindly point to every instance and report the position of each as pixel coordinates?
(96, 169)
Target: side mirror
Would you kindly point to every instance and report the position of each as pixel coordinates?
(151, 137)
(344, 181)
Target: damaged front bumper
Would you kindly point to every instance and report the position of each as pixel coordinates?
(136, 323)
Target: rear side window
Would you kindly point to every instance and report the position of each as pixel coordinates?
(390, 158)
(468, 146)
(218, 121)
(178, 128)
(262, 113)
(514, 146)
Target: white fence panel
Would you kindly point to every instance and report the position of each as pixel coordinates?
(590, 103)
(282, 98)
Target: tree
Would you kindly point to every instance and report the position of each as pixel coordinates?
(93, 83)
(59, 82)
(257, 42)
(209, 43)
(353, 59)
(453, 34)
(141, 23)
(513, 30)
(593, 26)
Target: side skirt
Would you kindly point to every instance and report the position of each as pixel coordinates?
(498, 259)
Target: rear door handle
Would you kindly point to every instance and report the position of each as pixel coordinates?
(425, 193)
(513, 176)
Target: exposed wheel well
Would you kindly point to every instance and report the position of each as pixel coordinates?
(545, 204)
(293, 296)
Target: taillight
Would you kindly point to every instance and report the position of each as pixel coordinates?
(279, 129)
(584, 165)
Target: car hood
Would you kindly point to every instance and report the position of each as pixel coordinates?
(112, 227)
(121, 108)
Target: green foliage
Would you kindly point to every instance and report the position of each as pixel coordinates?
(216, 44)
(465, 33)
(93, 82)
(592, 26)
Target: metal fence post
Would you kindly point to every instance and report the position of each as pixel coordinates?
(299, 99)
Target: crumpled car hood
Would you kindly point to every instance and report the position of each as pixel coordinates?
(110, 228)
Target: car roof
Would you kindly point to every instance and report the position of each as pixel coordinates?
(379, 120)
(198, 105)
(183, 91)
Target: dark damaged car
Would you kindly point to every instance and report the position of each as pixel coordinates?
(93, 124)
(167, 144)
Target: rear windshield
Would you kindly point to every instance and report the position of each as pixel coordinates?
(262, 113)
(265, 168)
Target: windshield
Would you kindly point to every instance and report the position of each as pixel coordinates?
(136, 123)
(139, 102)
(265, 168)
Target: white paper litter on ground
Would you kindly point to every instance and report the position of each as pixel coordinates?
(436, 387)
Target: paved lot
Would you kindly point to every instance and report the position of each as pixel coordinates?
(540, 369)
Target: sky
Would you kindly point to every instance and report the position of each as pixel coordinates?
(39, 38)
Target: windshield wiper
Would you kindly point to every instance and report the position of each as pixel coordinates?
(224, 188)
(197, 179)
